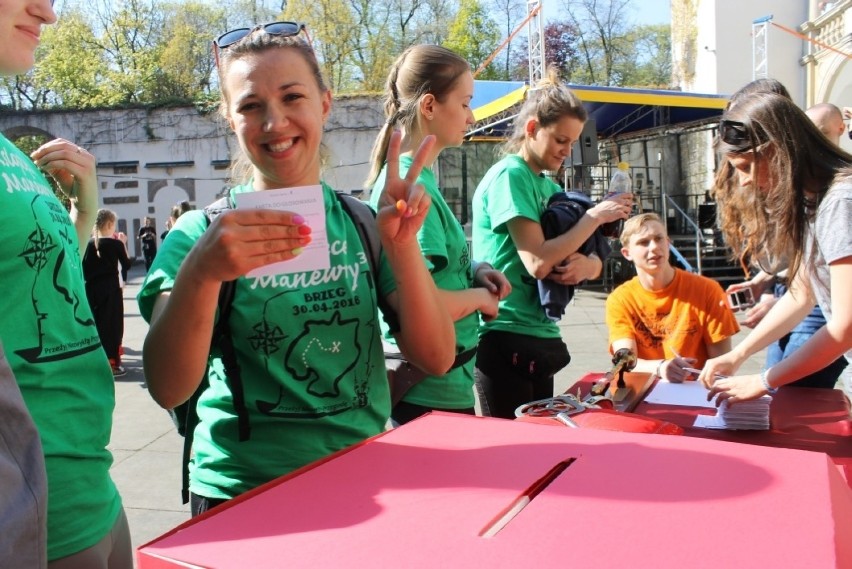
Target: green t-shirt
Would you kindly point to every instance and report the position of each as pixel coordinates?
(444, 245)
(509, 190)
(53, 349)
(310, 353)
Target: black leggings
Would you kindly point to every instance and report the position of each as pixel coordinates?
(513, 369)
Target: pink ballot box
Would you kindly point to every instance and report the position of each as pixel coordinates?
(458, 491)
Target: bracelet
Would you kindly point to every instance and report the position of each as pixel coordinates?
(659, 372)
(769, 389)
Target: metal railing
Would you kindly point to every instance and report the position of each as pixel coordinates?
(681, 259)
(669, 202)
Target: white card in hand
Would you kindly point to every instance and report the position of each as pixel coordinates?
(307, 201)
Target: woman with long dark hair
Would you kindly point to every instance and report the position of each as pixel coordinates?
(785, 197)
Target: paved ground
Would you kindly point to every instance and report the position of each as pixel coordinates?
(147, 449)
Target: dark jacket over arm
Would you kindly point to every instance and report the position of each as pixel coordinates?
(563, 211)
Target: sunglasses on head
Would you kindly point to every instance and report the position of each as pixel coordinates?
(285, 29)
(735, 133)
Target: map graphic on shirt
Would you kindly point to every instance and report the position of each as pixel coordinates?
(45, 257)
(319, 355)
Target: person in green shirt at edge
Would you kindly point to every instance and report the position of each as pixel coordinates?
(308, 343)
(49, 336)
(428, 92)
(521, 349)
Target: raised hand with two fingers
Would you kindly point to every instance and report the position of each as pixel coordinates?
(403, 204)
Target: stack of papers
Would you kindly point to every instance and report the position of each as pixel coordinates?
(744, 415)
(689, 393)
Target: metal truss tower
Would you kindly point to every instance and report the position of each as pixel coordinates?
(760, 47)
(536, 41)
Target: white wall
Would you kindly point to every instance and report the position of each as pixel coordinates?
(724, 45)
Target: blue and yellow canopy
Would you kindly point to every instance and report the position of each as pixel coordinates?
(616, 111)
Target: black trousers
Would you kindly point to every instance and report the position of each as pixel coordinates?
(514, 369)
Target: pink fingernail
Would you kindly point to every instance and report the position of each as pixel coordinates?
(298, 219)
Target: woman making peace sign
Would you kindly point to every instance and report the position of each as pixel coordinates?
(314, 383)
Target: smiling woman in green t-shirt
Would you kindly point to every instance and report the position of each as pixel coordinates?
(520, 350)
(429, 89)
(307, 342)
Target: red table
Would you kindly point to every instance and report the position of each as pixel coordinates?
(800, 418)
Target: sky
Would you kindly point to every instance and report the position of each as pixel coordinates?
(651, 11)
(642, 11)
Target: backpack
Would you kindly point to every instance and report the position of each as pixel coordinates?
(185, 415)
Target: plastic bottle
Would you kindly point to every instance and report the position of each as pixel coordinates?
(620, 183)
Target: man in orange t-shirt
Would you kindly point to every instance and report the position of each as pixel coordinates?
(671, 319)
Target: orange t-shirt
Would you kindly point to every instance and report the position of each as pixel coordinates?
(688, 315)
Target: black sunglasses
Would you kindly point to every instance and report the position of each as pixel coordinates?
(285, 29)
(734, 133)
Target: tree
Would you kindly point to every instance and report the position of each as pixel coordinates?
(185, 60)
(19, 93)
(73, 67)
(333, 26)
(512, 12)
(435, 20)
(129, 37)
(375, 47)
(602, 25)
(474, 36)
(248, 13)
(612, 51)
(560, 51)
(652, 57)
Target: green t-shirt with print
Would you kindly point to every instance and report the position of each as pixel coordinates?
(309, 348)
(53, 349)
(443, 243)
(509, 190)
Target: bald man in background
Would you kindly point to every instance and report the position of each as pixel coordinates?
(829, 120)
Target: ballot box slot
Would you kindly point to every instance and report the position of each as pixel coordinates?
(508, 513)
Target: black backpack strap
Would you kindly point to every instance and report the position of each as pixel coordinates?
(365, 222)
(222, 333)
(221, 330)
(221, 337)
(190, 421)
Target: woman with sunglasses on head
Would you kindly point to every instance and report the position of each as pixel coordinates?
(769, 283)
(794, 204)
(52, 348)
(521, 349)
(428, 93)
(312, 370)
